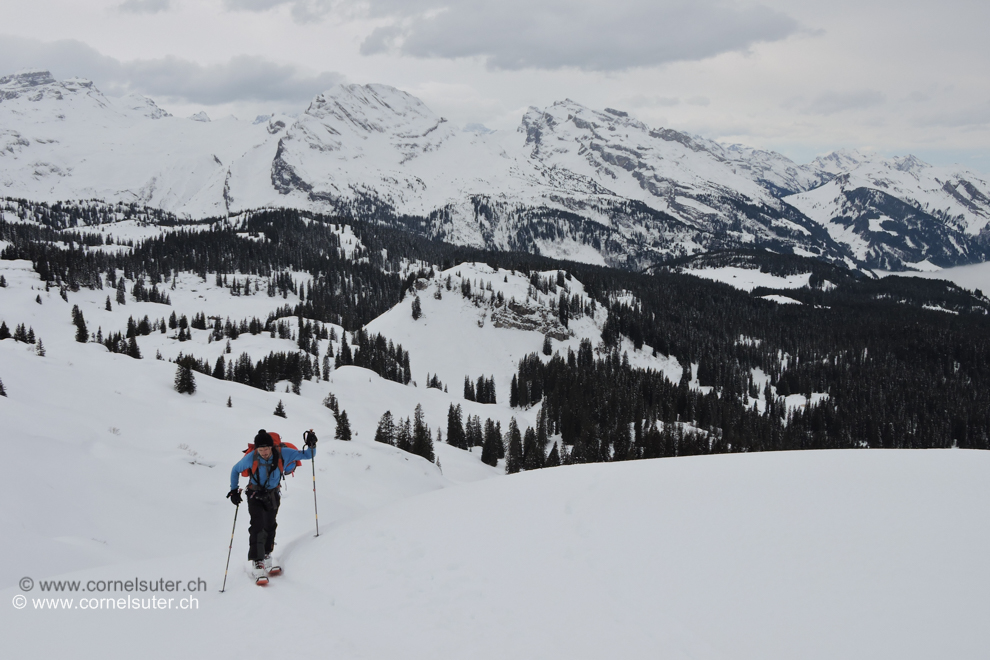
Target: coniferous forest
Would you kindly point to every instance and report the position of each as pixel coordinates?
(904, 362)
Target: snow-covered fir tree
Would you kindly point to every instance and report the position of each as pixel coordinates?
(385, 432)
(185, 382)
(343, 431)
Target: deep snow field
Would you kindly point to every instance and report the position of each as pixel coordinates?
(112, 475)
(971, 277)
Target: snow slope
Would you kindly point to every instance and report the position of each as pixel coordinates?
(852, 554)
(972, 277)
(747, 279)
(458, 337)
(811, 555)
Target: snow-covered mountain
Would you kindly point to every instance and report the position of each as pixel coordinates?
(66, 140)
(570, 182)
(892, 212)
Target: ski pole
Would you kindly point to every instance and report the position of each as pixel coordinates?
(313, 461)
(227, 567)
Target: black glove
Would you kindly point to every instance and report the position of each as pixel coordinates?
(234, 496)
(310, 438)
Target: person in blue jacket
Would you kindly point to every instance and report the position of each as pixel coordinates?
(263, 494)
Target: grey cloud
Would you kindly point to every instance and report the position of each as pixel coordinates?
(303, 11)
(830, 103)
(585, 34)
(253, 5)
(641, 101)
(973, 116)
(553, 34)
(65, 59)
(145, 6)
(381, 40)
(242, 78)
(699, 100)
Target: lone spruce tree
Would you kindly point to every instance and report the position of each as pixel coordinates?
(403, 435)
(489, 453)
(185, 382)
(280, 410)
(343, 427)
(385, 432)
(82, 335)
(422, 440)
(455, 428)
(532, 454)
(514, 455)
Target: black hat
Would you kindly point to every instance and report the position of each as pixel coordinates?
(263, 439)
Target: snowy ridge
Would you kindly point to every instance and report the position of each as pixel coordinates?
(598, 186)
(900, 211)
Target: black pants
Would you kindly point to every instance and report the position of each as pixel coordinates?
(263, 507)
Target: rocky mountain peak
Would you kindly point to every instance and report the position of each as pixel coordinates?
(840, 162)
(143, 106)
(909, 163)
(26, 79)
(373, 109)
(35, 85)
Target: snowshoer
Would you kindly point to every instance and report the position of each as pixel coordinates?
(264, 467)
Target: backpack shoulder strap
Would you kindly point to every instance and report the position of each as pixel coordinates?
(255, 477)
(281, 468)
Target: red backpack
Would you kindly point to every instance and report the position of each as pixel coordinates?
(277, 440)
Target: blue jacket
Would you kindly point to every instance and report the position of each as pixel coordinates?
(268, 475)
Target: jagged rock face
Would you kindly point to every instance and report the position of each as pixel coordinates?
(691, 180)
(571, 182)
(12, 87)
(358, 141)
(524, 316)
(37, 96)
(779, 175)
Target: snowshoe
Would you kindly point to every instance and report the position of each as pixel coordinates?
(271, 568)
(259, 572)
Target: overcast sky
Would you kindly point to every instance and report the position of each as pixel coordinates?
(803, 77)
